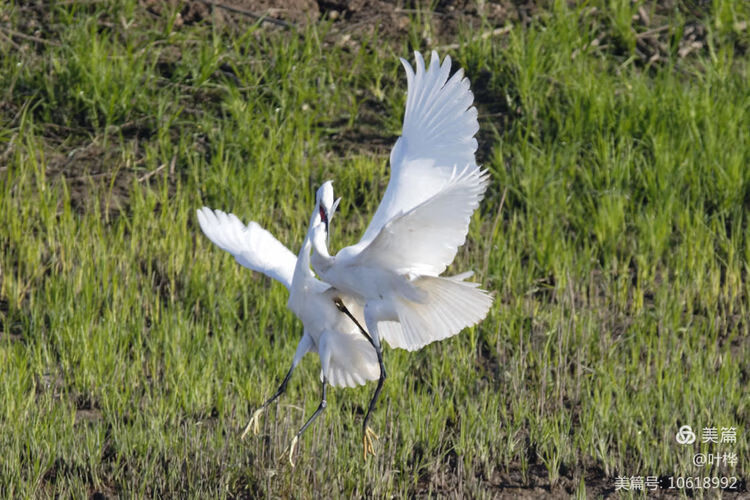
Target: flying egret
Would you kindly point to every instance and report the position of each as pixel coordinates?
(434, 188)
(346, 354)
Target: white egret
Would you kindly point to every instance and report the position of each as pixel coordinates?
(423, 219)
(346, 354)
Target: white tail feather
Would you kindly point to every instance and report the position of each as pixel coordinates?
(450, 307)
(351, 359)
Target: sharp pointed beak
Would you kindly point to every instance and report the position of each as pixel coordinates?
(328, 233)
(324, 218)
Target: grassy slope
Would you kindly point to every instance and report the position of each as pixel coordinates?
(133, 351)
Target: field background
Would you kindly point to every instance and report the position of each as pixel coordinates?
(614, 236)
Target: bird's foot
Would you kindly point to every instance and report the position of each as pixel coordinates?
(291, 450)
(367, 438)
(254, 423)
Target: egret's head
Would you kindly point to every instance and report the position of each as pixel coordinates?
(325, 205)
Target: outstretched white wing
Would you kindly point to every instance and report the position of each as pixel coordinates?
(437, 138)
(251, 245)
(425, 239)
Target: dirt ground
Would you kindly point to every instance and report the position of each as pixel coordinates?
(390, 18)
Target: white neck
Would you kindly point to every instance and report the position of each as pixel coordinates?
(302, 268)
(321, 259)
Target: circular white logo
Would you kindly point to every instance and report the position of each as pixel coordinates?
(685, 435)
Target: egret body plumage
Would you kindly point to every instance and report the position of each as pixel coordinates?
(347, 357)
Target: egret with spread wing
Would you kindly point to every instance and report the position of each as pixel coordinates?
(423, 219)
(346, 354)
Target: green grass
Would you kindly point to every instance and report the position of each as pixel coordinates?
(614, 235)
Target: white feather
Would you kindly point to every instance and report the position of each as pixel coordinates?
(424, 240)
(251, 245)
(347, 358)
(351, 359)
(437, 136)
(450, 306)
(423, 219)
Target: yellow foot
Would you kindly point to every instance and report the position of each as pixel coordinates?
(291, 450)
(367, 441)
(254, 423)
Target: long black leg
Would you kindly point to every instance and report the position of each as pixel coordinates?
(281, 389)
(254, 420)
(378, 350)
(375, 396)
(321, 407)
(341, 307)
